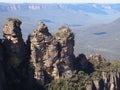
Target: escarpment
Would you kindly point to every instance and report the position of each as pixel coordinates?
(48, 60)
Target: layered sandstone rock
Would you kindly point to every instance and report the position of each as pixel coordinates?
(15, 52)
(65, 38)
(51, 54)
(13, 43)
(43, 52)
(111, 80)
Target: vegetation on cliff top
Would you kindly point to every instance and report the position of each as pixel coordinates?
(81, 79)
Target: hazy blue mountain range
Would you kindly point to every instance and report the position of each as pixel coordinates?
(92, 7)
(96, 26)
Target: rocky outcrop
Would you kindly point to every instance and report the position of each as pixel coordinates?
(15, 52)
(81, 62)
(2, 76)
(43, 52)
(13, 42)
(111, 80)
(51, 54)
(106, 80)
(65, 38)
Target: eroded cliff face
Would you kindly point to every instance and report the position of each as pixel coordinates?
(15, 52)
(65, 38)
(52, 55)
(109, 81)
(106, 80)
(40, 42)
(14, 45)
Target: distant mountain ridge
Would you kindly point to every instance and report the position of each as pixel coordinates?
(90, 7)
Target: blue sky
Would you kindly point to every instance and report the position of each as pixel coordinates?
(60, 1)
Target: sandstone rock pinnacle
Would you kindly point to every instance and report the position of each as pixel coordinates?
(15, 52)
(51, 54)
(65, 38)
(43, 52)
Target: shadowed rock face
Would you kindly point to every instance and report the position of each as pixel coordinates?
(2, 76)
(81, 62)
(13, 43)
(15, 52)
